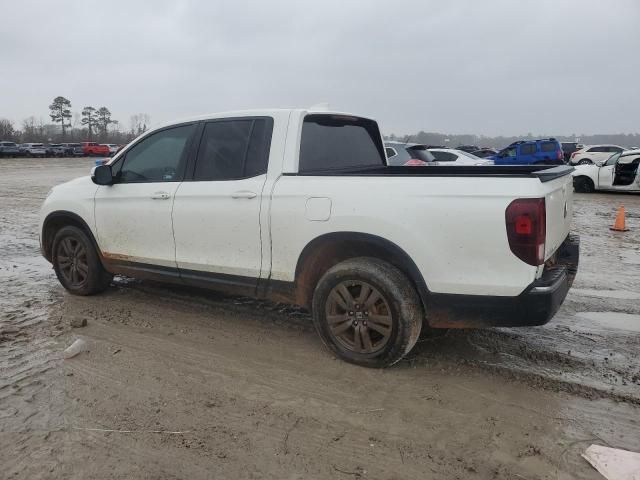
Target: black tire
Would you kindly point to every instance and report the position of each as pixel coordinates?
(583, 185)
(585, 161)
(398, 304)
(71, 246)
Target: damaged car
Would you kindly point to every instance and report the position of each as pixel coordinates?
(619, 173)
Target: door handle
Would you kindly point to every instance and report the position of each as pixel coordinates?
(160, 196)
(244, 194)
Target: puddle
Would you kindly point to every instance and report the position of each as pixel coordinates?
(618, 294)
(622, 321)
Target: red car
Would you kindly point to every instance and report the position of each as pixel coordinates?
(93, 148)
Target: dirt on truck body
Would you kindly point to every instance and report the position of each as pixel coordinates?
(185, 383)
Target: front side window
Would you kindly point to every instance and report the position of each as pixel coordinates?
(234, 149)
(509, 152)
(160, 157)
(612, 159)
(390, 152)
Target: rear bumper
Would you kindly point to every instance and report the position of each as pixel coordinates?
(535, 306)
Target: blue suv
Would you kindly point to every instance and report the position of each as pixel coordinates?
(546, 152)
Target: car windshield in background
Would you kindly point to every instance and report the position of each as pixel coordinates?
(340, 141)
(420, 152)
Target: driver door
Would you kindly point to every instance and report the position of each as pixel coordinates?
(607, 171)
(133, 216)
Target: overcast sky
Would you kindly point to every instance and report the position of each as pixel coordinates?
(483, 67)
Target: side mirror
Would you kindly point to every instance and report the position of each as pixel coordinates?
(102, 175)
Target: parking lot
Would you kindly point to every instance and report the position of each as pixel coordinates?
(183, 383)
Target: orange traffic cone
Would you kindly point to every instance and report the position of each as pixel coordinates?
(620, 226)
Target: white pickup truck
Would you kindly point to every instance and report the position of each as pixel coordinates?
(300, 206)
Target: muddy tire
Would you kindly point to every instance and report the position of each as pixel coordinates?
(583, 185)
(77, 264)
(367, 312)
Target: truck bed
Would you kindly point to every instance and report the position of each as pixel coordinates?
(544, 173)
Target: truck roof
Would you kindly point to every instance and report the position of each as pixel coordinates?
(267, 112)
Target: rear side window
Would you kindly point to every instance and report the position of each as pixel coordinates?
(548, 147)
(234, 149)
(528, 149)
(598, 149)
(444, 156)
(338, 141)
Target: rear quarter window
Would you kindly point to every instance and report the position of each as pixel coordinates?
(331, 142)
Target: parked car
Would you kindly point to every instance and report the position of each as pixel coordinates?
(95, 149)
(9, 149)
(466, 148)
(73, 149)
(592, 154)
(569, 147)
(619, 172)
(55, 150)
(113, 148)
(547, 151)
(484, 152)
(34, 149)
(301, 206)
(452, 156)
(409, 154)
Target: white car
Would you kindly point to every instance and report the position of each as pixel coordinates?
(34, 149)
(451, 156)
(592, 154)
(301, 206)
(620, 172)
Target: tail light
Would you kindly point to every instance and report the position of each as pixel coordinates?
(574, 154)
(527, 229)
(414, 162)
(559, 155)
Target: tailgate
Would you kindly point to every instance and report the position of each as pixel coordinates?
(558, 192)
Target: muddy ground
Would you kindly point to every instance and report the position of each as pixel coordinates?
(186, 384)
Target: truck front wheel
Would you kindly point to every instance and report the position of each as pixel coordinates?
(367, 312)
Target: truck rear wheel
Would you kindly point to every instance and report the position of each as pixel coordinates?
(367, 312)
(76, 263)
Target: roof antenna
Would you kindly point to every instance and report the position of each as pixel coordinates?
(322, 107)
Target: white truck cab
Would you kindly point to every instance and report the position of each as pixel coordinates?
(301, 206)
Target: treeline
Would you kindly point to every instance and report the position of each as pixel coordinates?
(90, 124)
(432, 138)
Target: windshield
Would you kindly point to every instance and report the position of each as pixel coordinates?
(469, 155)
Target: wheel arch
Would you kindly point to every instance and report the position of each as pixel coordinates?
(54, 221)
(327, 250)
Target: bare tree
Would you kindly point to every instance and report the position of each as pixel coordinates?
(61, 112)
(139, 123)
(7, 132)
(89, 119)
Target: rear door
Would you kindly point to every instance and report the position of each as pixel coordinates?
(133, 216)
(527, 153)
(216, 214)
